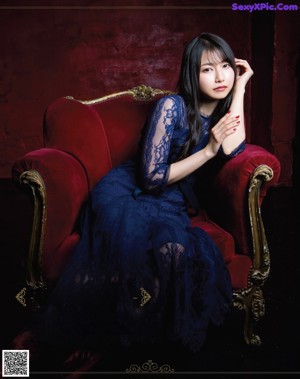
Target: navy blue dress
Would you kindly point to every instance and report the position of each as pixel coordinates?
(141, 273)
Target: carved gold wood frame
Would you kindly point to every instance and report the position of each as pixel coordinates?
(250, 299)
(34, 180)
(140, 93)
(36, 284)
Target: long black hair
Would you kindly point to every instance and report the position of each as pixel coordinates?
(188, 83)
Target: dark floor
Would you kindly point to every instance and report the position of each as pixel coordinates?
(225, 353)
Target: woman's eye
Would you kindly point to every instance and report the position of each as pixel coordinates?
(206, 69)
(226, 65)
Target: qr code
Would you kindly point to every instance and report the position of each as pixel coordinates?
(15, 363)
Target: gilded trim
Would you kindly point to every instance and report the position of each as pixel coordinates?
(139, 93)
(251, 299)
(149, 367)
(145, 297)
(20, 296)
(261, 254)
(32, 179)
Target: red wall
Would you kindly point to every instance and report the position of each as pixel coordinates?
(275, 86)
(91, 48)
(285, 115)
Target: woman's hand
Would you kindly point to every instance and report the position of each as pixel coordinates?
(233, 134)
(226, 126)
(244, 73)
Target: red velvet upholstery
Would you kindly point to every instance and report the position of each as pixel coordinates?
(77, 129)
(238, 265)
(228, 192)
(63, 175)
(123, 121)
(84, 141)
(222, 239)
(239, 268)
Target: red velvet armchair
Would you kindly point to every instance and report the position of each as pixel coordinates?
(83, 140)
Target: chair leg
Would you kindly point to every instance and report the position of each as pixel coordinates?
(252, 302)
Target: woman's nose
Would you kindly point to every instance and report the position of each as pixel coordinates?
(219, 76)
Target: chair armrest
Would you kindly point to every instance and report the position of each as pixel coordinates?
(238, 187)
(58, 183)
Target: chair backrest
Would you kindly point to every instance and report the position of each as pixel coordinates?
(100, 133)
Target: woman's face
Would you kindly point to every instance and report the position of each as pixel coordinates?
(216, 77)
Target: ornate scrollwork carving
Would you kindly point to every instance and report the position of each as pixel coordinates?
(149, 367)
(258, 304)
(252, 302)
(261, 173)
(238, 299)
(145, 93)
(261, 255)
(20, 296)
(259, 277)
(145, 297)
(32, 297)
(255, 340)
(33, 179)
(139, 93)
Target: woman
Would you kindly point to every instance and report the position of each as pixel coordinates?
(141, 273)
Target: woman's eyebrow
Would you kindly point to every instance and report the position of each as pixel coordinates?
(213, 64)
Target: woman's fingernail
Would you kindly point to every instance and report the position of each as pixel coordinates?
(229, 112)
(237, 116)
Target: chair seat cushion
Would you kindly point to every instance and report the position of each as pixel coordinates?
(238, 265)
(222, 239)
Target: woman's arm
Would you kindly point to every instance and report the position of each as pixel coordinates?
(237, 106)
(154, 167)
(223, 129)
(156, 172)
(186, 166)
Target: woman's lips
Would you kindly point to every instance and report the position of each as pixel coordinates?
(223, 88)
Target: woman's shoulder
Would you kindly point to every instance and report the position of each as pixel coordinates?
(172, 98)
(172, 102)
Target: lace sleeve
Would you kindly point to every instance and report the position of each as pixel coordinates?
(156, 145)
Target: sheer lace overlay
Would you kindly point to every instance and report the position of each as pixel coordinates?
(157, 144)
